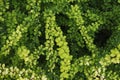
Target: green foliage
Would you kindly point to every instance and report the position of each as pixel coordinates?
(59, 39)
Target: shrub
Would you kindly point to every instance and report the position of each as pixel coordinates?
(59, 39)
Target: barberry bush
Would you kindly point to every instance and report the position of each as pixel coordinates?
(59, 39)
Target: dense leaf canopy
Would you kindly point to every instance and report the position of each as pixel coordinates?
(59, 39)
